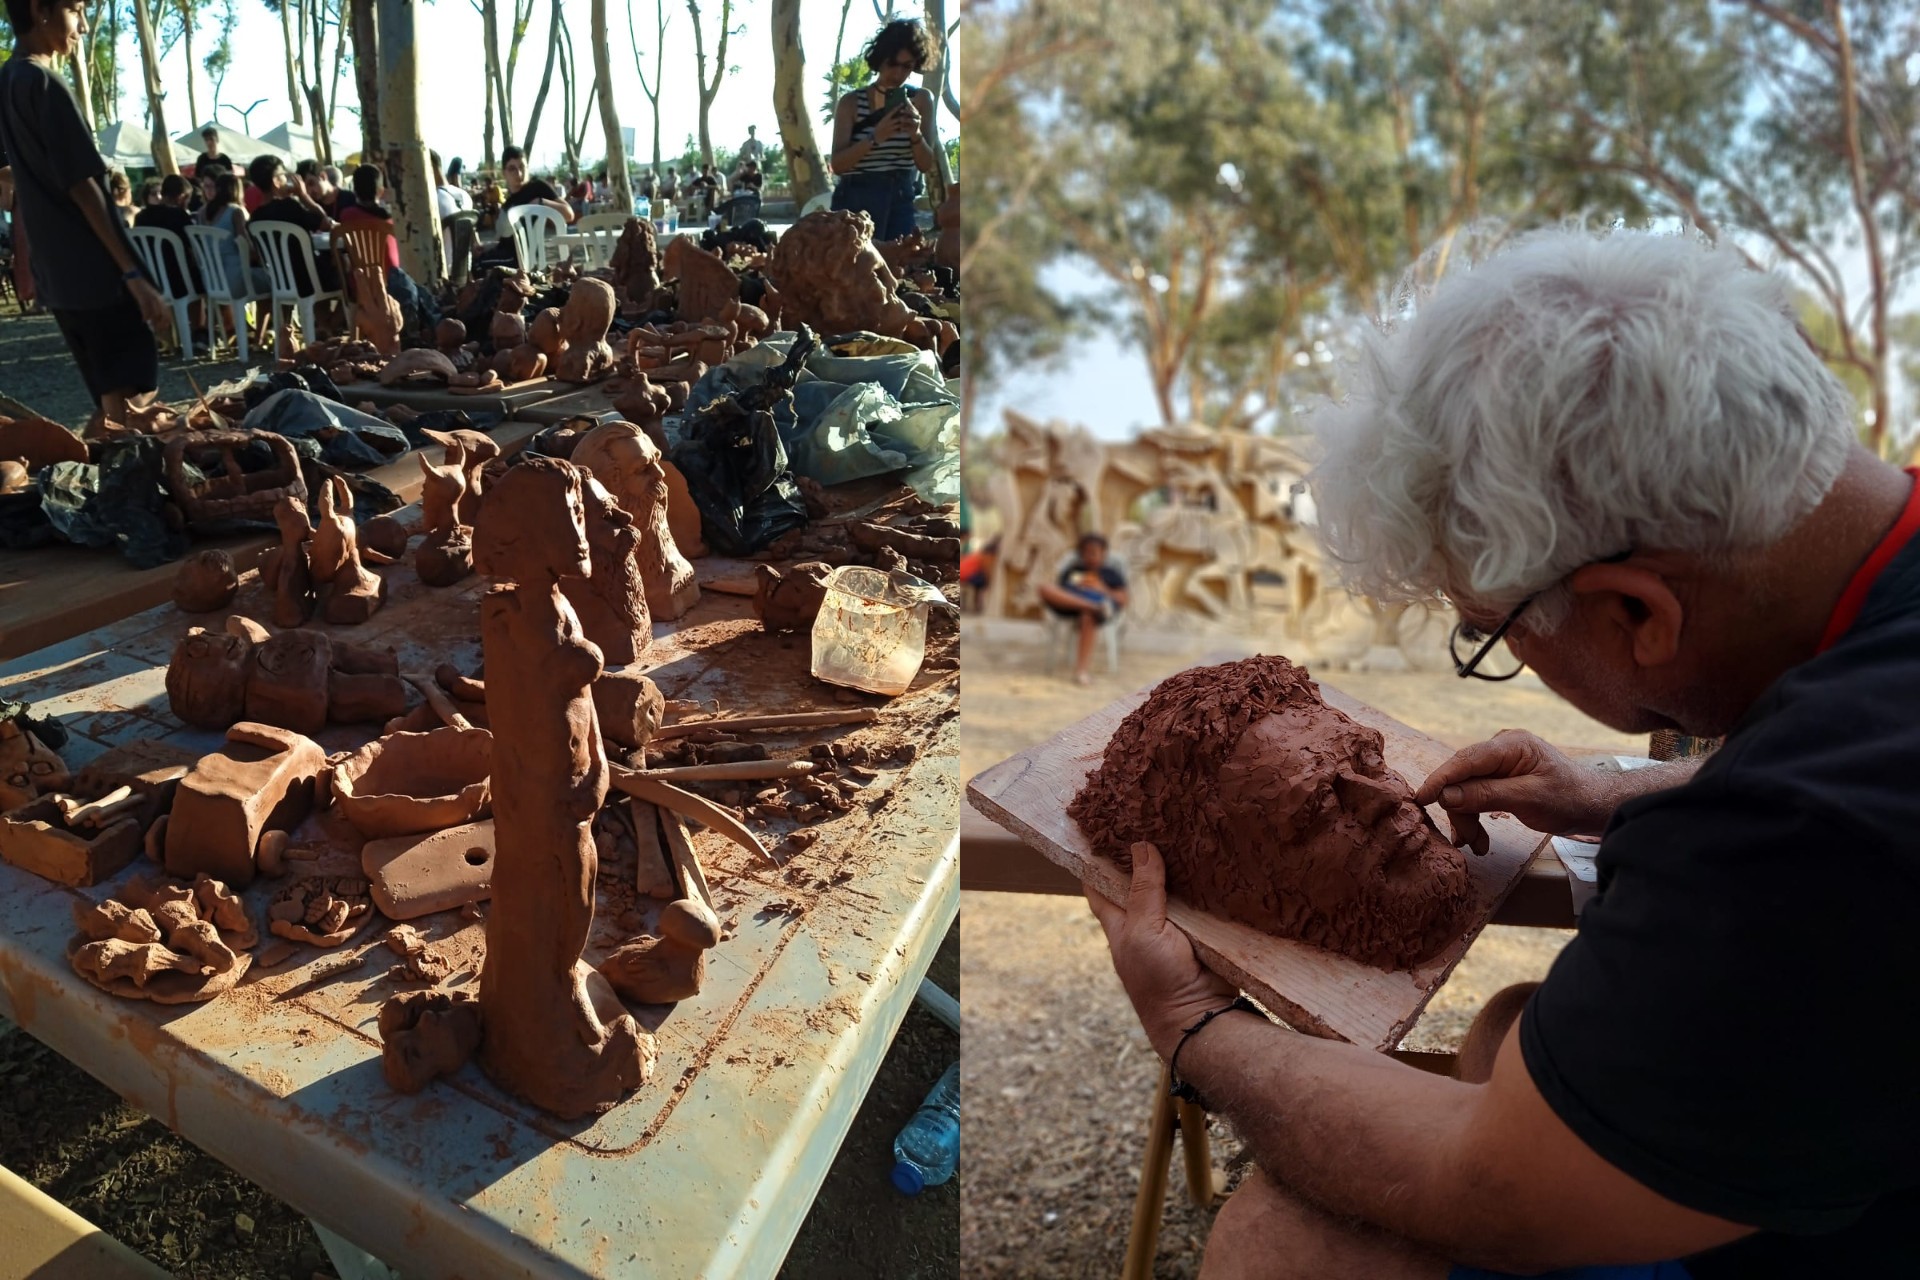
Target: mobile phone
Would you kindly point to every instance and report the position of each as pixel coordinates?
(896, 96)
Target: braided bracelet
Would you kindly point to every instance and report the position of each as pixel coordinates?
(1180, 1088)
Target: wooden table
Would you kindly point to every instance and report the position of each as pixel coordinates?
(50, 594)
(707, 1171)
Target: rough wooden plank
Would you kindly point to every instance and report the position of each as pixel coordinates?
(1314, 990)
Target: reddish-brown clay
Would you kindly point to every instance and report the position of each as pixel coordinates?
(672, 966)
(611, 604)
(261, 780)
(406, 783)
(171, 944)
(629, 465)
(1274, 809)
(790, 601)
(425, 1035)
(288, 569)
(205, 581)
(445, 555)
(412, 876)
(354, 593)
(556, 1034)
(831, 278)
(636, 267)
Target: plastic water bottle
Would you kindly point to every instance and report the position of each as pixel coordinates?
(927, 1150)
(673, 219)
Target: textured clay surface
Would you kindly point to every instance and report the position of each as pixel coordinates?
(1273, 809)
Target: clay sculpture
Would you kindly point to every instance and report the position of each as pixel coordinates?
(205, 581)
(555, 1032)
(629, 465)
(288, 568)
(412, 876)
(406, 783)
(170, 944)
(449, 336)
(671, 966)
(790, 601)
(417, 364)
(298, 680)
(387, 536)
(353, 593)
(235, 494)
(29, 768)
(707, 284)
(611, 603)
(584, 354)
(425, 1035)
(261, 780)
(544, 333)
(831, 278)
(445, 555)
(324, 911)
(1274, 809)
(636, 267)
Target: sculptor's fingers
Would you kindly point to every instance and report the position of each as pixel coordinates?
(1109, 916)
(1147, 898)
(1468, 833)
(1500, 757)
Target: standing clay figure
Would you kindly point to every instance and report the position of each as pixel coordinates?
(555, 1032)
(636, 267)
(477, 449)
(288, 569)
(671, 966)
(831, 278)
(585, 355)
(445, 555)
(1274, 809)
(354, 594)
(623, 459)
(205, 581)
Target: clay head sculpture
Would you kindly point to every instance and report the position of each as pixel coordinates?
(612, 603)
(28, 766)
(630, 466)
(528, 553)
(831, 278)
(1274, 809)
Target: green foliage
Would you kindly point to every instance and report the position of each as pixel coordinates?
(840, 81)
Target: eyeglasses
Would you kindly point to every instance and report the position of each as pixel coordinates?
(1466, 635)
(906, 62)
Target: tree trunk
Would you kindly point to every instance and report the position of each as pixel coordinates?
(546, 79)
(487, 144)
(366, 75)
(340, 34)
(659, 67)
(936, 86)
(82, 82)
(490, 34)
(286, 40)
(193, 98)
(416, 213)
(617, 183)
(322, 135)
(156, 108)
(710, 91)
(808, 175)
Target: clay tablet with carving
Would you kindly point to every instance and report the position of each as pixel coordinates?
(1273, 809)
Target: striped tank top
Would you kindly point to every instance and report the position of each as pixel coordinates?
(895, 155)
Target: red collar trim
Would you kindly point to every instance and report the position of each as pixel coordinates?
(1854, 598)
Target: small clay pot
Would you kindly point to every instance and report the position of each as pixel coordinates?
(205, 581)
(385, 535)
(406, 783)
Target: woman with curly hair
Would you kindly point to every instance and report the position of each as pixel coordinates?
(883, 133)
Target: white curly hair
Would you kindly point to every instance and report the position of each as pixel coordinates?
(1571, 397)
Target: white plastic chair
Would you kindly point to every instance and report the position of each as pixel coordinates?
(532, 225)
(158, 247)
(822, 201)
(279, 242)
(1063, 634)
(603, 236)
(235, 296)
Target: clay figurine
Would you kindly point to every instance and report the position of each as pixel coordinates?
(353, 594)
(324, 911)
(235, 494)
(425, 1035)
(636, 267)
(1273, 809)
(477, 449)
(790, 601)
(262, 780)
(585, 355)
(672, 966)
(288, 568)
(831, 278)
(445, 555)
(29, 768)
(170, 944)
(707, 284)
(298, 680)
(630, 466)
(555, 1031)
(205, 581)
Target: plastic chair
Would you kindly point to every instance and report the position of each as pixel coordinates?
(532, 225)
(360, 256)
(461, 232)
(742, 208)
(1063, 634)
(603, 231)
(279, 242)
(158, 248)
(822, 201)
(235, 295)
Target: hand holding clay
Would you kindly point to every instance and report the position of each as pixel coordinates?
(1517, 773)
(1156, 963)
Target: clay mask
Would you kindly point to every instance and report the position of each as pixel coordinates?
(1273, 809)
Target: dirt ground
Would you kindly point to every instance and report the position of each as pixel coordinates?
(1057, 1073)
(37, 369)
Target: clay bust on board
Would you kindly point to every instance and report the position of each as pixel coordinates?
(832, 279)
(631, 467)
(1275, 810)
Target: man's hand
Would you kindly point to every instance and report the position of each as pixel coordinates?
(153, 307)
(1168, 985)
(1517, 773)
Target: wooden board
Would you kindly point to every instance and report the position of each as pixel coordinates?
(1315, 990)
(592, 401)
(50, 594)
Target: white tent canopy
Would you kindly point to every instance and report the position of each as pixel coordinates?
(128, 146)
(236, 144)
(293, 139)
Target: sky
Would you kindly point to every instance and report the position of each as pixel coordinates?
(452, 106)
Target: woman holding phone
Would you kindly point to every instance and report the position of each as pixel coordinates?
(883, 133)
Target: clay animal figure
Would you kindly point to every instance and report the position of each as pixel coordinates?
(630, 466)
(425, 1035)
(171, 944)
(28, 767)
(555, 1032)
(353, 593)
(831, 278)
(445, 555)
(1274, 809)
(298, 680)
(205, 581)
(288, 568)
(671, 966)
(260, 781)
(477, 449)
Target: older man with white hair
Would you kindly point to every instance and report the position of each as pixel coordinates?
(1618, 455)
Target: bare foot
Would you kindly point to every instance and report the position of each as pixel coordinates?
(1082, 677)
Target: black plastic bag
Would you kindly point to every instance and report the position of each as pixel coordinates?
(120, 501)
(347, 437)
